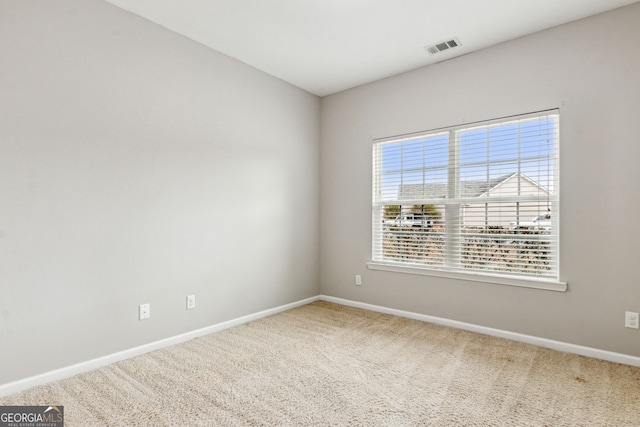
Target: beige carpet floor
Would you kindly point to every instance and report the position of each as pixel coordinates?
(328, 365)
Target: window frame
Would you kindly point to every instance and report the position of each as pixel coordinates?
(452, 254)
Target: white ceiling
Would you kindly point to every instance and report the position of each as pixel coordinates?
(326, 46)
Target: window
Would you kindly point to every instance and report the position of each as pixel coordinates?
(480, 198)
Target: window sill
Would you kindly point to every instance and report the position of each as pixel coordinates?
(545, 284)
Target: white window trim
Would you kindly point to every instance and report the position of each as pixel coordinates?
(502, 279)
(544, 283)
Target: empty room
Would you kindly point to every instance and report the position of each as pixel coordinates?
(303, 212)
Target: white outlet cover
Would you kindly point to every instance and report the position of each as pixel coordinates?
(631, 320)
(144, 311)
(191, 302)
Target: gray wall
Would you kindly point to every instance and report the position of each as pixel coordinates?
(590, 70)
(137, 166)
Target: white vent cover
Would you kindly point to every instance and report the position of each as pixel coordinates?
(445, 45)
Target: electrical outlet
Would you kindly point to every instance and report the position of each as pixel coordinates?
(358, 280)
(145, 311)
(191, 302)
(631, 319)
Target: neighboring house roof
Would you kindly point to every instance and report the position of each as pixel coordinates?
(472, 188)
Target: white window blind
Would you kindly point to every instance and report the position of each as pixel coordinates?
(474, 198)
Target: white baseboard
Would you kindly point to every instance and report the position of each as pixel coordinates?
(58, 374)
(528, 339)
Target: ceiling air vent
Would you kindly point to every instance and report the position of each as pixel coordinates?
(445, 45)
